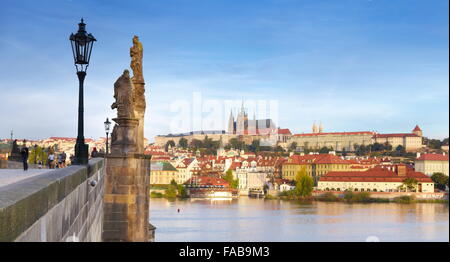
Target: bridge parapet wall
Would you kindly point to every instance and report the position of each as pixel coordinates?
(59, 205)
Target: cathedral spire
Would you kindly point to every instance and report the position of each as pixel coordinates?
(231, 123)
(314, 128)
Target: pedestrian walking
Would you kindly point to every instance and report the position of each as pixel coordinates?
(51, 160)
(24, 153)
(94, 152)
(64, 156)
(59, 161)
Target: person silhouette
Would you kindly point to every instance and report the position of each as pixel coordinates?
(24, 153)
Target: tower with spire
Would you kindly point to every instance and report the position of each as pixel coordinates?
(231, 127)
(245, 126)
(241, 121)
(417, 131)
(314, 128)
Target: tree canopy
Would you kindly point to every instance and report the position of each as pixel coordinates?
(440, 180)
(304, 183)
(234, 183)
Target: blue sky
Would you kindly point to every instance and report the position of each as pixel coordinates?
(357, 65)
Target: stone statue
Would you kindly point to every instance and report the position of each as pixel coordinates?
(136, 53)
(15, 148)
(124, 95)
(15, 152)
(127, 168)
(114, 135)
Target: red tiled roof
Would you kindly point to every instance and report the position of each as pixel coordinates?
(376, 174)
(62, 138)
(330, 159)
(208, 180)
(284, 131)
(395, 135)
(337, 133)
(316, 159)
(417, 128)
(433, 157)
(235, 165)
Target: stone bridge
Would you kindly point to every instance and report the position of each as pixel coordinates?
(55, 205)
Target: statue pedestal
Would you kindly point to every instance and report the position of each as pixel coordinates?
(126, 199)
(125, 140)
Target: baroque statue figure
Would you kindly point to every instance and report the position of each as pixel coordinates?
(136, 53)
(124, 95)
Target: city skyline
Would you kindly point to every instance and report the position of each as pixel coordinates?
(352, 65)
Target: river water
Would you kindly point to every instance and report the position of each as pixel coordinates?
(248, 219)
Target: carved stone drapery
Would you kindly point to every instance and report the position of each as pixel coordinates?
(136, 53)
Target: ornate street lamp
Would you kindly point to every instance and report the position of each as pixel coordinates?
(82, 43)
(107, 128)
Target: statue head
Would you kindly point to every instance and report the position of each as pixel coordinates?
(135, 39)
(126, 73)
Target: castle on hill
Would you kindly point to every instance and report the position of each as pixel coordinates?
(244, 126)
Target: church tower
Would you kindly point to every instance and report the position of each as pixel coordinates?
(321, 128)
(417, 131)
(314, 128)
(231, 124)
(241, 121)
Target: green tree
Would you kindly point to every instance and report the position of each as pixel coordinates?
(361, 150)
(278, 149)
(171, 192)
(433, 143)
(400, 150)
(440, 180)
(324, 150)
(169, 143)
(410, 183)
(183, 143)
(293, 146)
(182, 192)
(37, 154)
(255, 146)
(376, 147)
(210, 146)
(234, 183)
(236, 143)
(196, 144)
(304, 183)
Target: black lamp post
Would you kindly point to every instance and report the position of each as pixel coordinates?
(82, 43)
(107, 128)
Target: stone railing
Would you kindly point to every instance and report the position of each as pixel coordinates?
(15, 165)
(59, 205)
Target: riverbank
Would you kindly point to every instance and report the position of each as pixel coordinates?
(352, 197)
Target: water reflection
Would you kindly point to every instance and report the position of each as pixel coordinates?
(247, 219)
